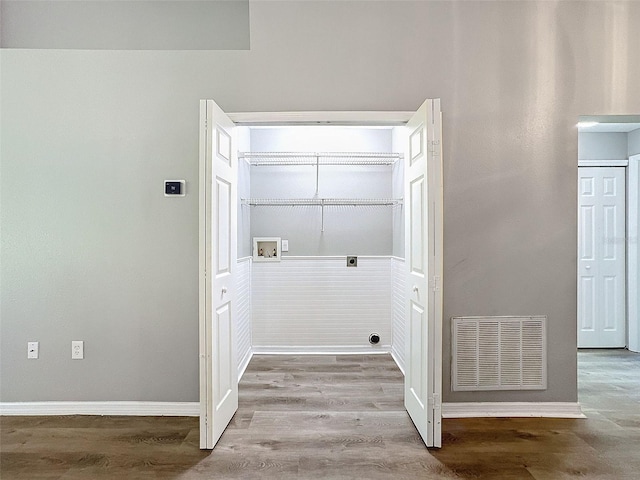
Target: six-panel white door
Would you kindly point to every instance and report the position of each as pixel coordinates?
(218, 260)
(601, 257)
(423, 252)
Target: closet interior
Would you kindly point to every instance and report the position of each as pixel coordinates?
(321, 239)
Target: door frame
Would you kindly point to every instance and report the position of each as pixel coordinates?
(619, 166)
(203, 239)
(362, 118)
(632, 203)
(365, 118)
(633, 253)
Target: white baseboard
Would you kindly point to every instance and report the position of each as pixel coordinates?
(155, 409)
(396, 358)
(340, 350)
(512, 409)
(244, 364)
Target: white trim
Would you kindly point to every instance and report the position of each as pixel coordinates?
(396, 358)
(324, 350)
(512, 409)
(203, 238)
(603, 163)
(315, 118)
(633, 253)
(168, 409)
(244, 364)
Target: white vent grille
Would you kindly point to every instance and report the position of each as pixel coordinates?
(499, 353)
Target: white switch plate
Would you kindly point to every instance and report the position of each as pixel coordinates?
(77, 349)
(32, 349)
(285, 245)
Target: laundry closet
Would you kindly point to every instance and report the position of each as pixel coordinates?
(304, 226)
(333, 196)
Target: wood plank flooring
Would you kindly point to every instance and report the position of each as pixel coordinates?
(341, 417)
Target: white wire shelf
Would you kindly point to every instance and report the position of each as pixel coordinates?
(321, 202)
(319, 158)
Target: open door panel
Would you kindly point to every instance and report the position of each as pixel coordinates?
(423, 252)
(218, 260)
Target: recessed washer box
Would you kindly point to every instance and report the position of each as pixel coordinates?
(266, 249)
(174, 188)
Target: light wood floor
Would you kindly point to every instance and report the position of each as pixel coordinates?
(299, 418)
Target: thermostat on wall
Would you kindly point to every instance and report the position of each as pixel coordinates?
(174, 188)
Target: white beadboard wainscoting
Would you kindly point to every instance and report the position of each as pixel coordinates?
(313, 302)
(398, 295)
(243, 318)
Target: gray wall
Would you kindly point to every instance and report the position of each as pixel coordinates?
(602, 146)
(138, 25)
(634, 142)
(91, 250)
(347, 230)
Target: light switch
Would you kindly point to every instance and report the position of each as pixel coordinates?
(285, 245)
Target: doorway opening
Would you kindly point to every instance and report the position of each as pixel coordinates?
(608, 257)
(303, 248)
(608, 210)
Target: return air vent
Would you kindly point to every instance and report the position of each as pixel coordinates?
(499, 353)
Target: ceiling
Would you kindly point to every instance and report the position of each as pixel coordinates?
(610, 123)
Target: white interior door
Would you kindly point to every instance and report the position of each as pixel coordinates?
(423, 238)
(601, 257)
(218, 260)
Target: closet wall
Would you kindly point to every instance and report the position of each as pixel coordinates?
(347, 230)
(311, 300)
(633, 142)
(312, 303)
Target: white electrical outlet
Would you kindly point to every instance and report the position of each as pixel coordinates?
(77, 349)
(285, 245)
(32, 349)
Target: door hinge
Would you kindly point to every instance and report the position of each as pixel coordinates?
(436, 283)
(435, 150)
(434, 402)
